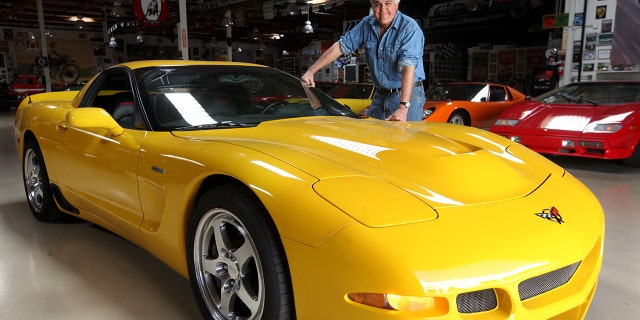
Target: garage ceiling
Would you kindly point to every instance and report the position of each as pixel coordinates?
(204, 16)
(488, 23)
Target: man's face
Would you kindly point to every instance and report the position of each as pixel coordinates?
(384, 11)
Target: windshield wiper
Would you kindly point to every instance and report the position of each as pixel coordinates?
(579, 99)
(217, 125)
(568, 97)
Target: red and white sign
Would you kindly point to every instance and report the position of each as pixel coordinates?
(150, 12)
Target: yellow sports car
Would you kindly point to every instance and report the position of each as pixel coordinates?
(356, 96)
(242, 179)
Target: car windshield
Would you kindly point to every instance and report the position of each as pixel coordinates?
(593, 93)
(457, 91)
(197, 97)
(351, 91)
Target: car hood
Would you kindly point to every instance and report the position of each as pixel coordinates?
(569, 120)
(440, 164)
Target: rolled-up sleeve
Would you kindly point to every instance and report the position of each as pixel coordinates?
(353, 39)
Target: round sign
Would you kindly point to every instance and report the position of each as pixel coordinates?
(150, 12)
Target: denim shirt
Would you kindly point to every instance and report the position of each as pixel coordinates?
(402, 45)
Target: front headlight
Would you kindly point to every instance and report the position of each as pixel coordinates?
(426, 113)
(603, 127)
(506, 122)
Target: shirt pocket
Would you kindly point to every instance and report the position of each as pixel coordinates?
(370, 49)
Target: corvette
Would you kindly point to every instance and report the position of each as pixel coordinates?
(584, 119)
(356, 96)
(242, 179)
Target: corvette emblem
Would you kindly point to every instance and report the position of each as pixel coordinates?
(551, 214)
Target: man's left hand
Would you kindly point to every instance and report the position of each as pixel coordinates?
(399, 115)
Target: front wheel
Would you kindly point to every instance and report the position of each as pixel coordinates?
(634, 160)
(36, 184)
(459, 117)
(237, 266)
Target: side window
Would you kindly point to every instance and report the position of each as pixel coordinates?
(497, 94)
(113, 93)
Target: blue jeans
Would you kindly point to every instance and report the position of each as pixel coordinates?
(383, 105)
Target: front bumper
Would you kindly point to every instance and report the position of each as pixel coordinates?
(570, 146)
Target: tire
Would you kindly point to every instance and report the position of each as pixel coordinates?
(237, 266)
(634, 160)
(459, 117)
(36, 184)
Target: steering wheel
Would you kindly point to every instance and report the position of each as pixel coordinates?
(278, 103)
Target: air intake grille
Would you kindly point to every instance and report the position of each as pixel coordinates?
(546, 282)
(477, 301)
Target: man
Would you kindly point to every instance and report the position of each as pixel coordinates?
(393, 43)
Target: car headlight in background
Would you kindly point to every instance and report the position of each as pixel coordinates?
(426, 113)
(603, 127)
(506, 122)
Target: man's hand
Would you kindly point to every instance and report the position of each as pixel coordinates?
(308, 79)
(399, 115)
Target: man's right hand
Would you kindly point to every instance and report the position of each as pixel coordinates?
(308, 79)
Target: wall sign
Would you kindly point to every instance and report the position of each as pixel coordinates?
(150, 12)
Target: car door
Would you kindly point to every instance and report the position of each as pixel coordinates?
(495, 104)
(96, 171)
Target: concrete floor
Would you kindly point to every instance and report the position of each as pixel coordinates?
(78, 271)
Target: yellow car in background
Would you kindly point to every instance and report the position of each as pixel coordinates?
(356, 96)
(241, 179)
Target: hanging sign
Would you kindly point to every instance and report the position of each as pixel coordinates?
(150, 12)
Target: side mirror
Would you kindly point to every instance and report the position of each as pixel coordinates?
(483, 99)
(85, 118)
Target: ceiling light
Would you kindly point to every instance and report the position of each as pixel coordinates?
(79, 22)
(117, 10)
(113, 43)
(140, 37)
(307, 25)
(292, 8)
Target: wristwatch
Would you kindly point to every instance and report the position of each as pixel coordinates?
(406, 104)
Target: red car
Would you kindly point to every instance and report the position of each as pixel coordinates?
(599, 119)
(12, 94)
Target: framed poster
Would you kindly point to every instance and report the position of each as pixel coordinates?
(601, 12)
(605, 39)
(604, 54)
(607, 25)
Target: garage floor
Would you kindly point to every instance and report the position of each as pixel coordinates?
(78, 271)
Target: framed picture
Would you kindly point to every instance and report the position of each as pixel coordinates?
(589, 55)
(8, 34)
(587, 67)
(605, 39)
(578, 19)
(601, 12)
(604, 54)
(606, 25)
